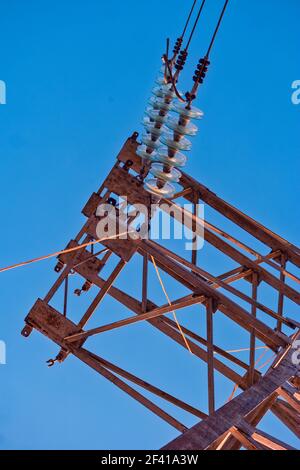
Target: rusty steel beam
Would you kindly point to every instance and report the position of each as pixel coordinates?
(254, 418)
(147, 386)
(182, 214)
(90, 360)
(246, 439)
(210, 353)
(254, 228)
(289, 417)
(100, 296)
(263, 438)
(217, 282)
(164, 324)
(204, 434)
(55, 326)
(252, 334)
(225, 305)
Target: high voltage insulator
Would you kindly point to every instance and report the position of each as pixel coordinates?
(165, 137)
(166, 160)
(161, 161)
(156, 116)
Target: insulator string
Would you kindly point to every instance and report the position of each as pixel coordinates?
(164, 141)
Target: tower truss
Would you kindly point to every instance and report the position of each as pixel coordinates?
(236, 423)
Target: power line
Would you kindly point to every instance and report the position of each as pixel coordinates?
(202, 67)
(188, 20)
(57, 253)
(217, 28)
(195, 25)
(179, 41)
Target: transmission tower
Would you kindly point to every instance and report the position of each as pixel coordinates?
(236, 423)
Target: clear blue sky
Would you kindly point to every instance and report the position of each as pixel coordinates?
(78, 76)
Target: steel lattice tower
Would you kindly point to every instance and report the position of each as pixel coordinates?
(236, 423)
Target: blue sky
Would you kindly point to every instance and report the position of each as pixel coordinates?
(78, 77)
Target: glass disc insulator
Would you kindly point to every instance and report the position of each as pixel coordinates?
(160, 81)
(149, 124)
(182, 144)
(179, 160)
(155, 115)
(188, 129)
(154, 131)
(151, 186)
(163, 91)
(147, 140)
(160, 104)
(157, 170)
(193, 113)
(142, 152)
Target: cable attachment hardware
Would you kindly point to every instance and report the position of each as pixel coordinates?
(59, 266)
(189, 98)
(181, 60)
(141, 176)
(61, 356)
(112, 201)
(51, 362)
(134, 137)
(85, 288)
(127, 165)
(143, 172)
(177, 46)
(201, 70)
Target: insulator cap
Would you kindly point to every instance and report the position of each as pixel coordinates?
(201, 70)
(160, 104)
(182, 144)
(178, 160)
(181, 60)
(149, 142)
(158, 170)
(182, 129)
(145, 153)
(185, 112)
(177, 46)
(167, 189)
(156, 115)
(164, 91)
(152, 129)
